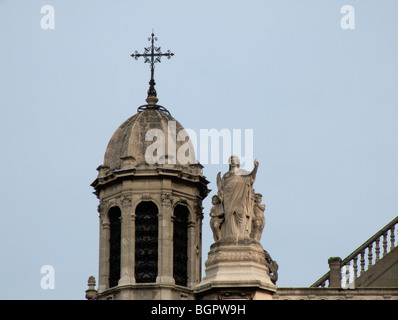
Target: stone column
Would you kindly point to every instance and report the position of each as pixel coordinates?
(126, 239)
(192, 257)
(335, 272)
(198, 246)
(165, 242)
(103, 255)
(135, 201)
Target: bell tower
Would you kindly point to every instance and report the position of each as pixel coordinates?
(150, 189)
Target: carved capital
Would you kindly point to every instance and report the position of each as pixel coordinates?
(126, 199)
(167, 199)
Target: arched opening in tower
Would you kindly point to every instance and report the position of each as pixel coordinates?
(180, 245)
(114, 216)
(146, 242)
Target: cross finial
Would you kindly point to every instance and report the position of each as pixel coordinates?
(152, 55)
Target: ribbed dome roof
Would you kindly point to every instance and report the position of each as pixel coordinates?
(128, 147)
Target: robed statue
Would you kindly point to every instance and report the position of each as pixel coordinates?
(237, 221)
(236, 212)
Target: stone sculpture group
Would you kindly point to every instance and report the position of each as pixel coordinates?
(237, 212)
(237, 221)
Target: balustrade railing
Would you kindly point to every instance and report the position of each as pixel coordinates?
(368, 253)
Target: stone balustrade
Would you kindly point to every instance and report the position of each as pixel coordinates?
(360, 260)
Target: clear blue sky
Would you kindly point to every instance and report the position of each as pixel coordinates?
(321, 101)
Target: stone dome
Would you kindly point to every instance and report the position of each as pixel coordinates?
(133, 143)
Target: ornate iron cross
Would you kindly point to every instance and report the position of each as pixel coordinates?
(152, 55)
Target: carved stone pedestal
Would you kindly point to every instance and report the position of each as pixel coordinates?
(236, 269)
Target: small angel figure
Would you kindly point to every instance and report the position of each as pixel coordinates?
(258, 219)
(217, 217)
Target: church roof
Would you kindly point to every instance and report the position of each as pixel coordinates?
(134, 142)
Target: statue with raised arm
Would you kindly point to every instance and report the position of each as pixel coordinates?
(235, 190)
(237, 221)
